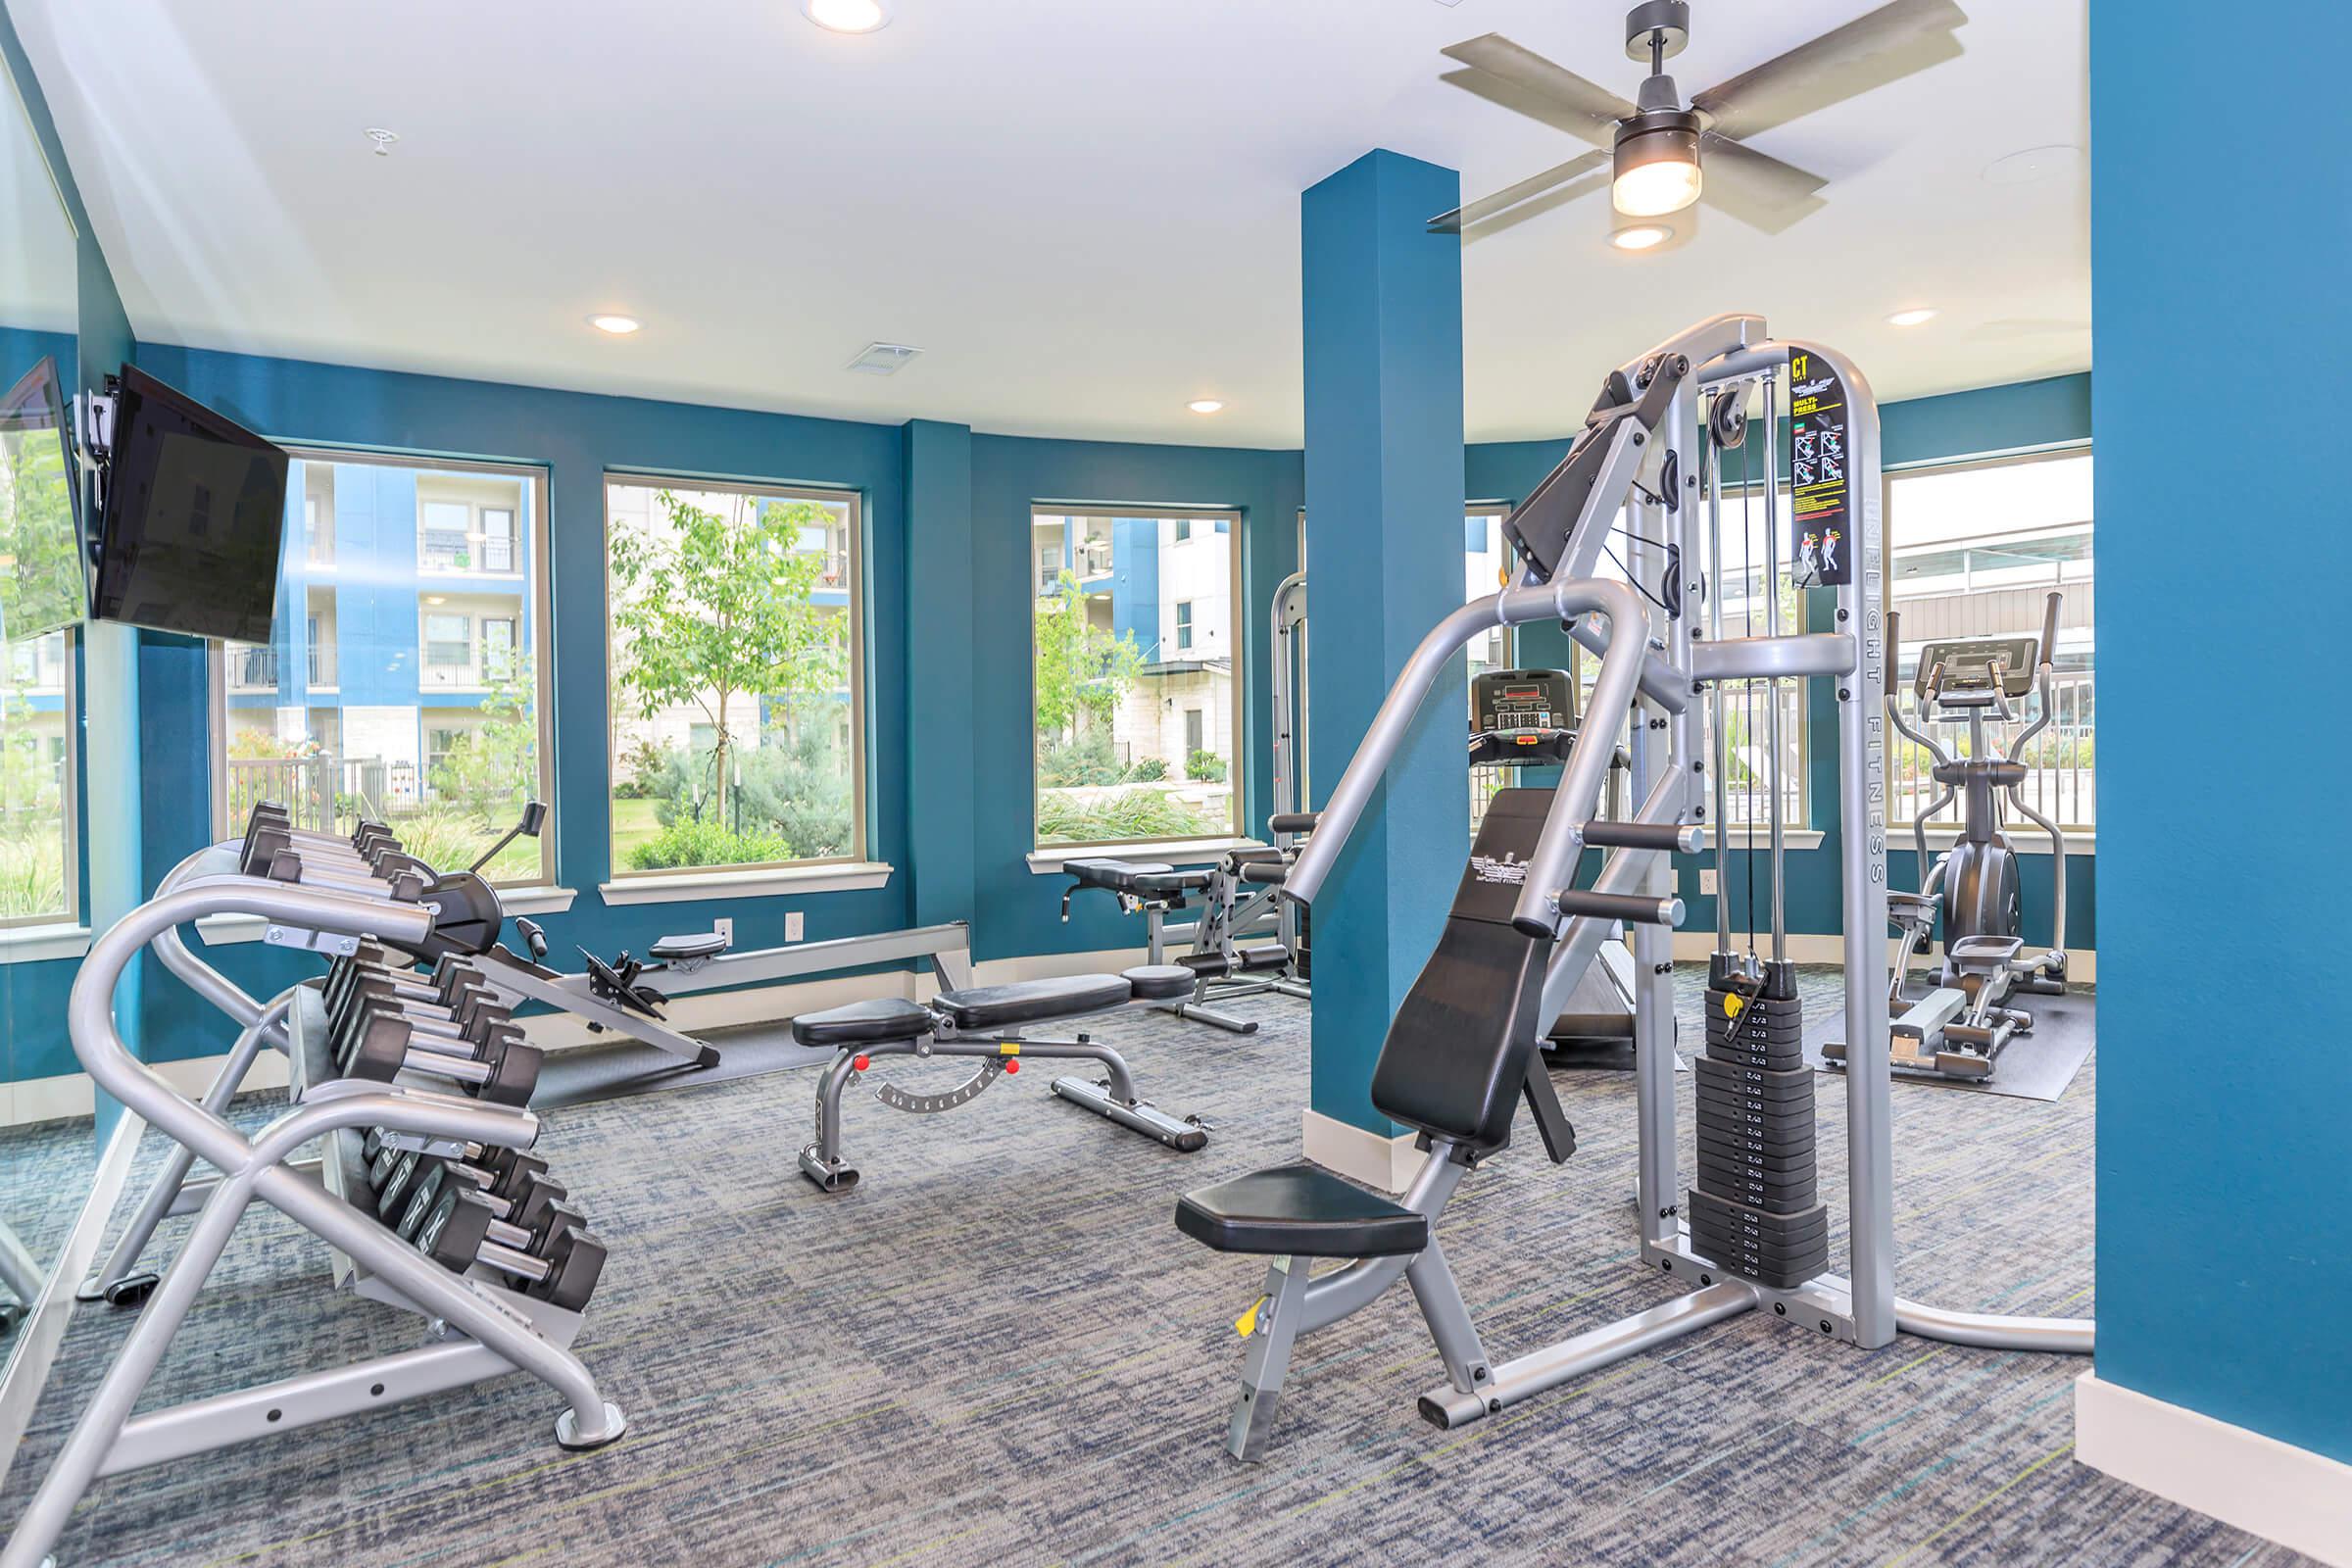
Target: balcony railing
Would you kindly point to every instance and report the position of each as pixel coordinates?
(324, 794)
(252, 669)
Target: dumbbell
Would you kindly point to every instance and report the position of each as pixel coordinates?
(457, 1234)
(268, 832)
(393, 1176)
(471, 1019)
(501, 1171)
(531, 1211)
(441, 983)
(381, 1041)
(528, 1226)
(458, 992)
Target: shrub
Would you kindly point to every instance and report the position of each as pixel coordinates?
(33, 877)
(641, 767)
(1147, 770)
(689, 842)
(1205, 766)
(443, 835)
(1121, 814)
(799, 787)
(1064, 763)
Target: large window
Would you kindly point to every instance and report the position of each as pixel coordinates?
(383, 690)
(1746, 543)
(1138, 726)
(37, 781)
(736, 675)
(1975, 550)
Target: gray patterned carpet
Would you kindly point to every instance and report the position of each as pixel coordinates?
(999, 1350)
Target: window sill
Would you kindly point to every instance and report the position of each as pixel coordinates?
(228, 930)
(687, 886)
(39, 943)
(1184, 852)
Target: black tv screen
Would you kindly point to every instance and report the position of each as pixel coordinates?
(195, 505)
(41, 582)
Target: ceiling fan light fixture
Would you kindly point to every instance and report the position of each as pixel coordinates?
(1641, 237)
(1655, 165)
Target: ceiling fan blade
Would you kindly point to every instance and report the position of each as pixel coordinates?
(1875, 48)
(1575, 105)
(1510, 196)
(1755, 188)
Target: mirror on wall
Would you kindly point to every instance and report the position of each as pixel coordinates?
(47, 1146)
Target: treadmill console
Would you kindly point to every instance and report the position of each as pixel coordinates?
(1522, 699)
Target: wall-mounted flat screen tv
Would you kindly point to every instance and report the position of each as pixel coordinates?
(41, 581)
(195, 505)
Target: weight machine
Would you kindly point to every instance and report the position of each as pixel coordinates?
(1747, 1236)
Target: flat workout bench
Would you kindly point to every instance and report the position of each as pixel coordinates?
(985, 1022)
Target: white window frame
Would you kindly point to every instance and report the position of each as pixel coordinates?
(1237, 757)
(853, 531)
(540, 597)
(2079, 836)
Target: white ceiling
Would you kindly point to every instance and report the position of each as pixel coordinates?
(1085, 211)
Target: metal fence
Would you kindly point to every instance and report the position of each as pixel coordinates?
(2061, 763)
(324, 794)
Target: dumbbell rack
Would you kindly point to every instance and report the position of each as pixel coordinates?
(479, 1330)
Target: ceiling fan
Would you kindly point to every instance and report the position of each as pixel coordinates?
(1659, 155)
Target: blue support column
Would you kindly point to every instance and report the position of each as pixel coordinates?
(939, 712)
(2225, 1261)
(1383, 316)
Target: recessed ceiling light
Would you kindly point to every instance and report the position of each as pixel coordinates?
(2033, 163)
(847, 16)
(436, 599)
(1205, 405)
(618, 325)
(1641, 237)
(1912, 318)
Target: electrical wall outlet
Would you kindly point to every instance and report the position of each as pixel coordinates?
(724, 925)
(793, 929)
(1707, 880)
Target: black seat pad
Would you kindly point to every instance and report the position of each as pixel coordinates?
(1158, 982)
(1097, 871)
(697, 944)
(1303, 1210)
(1163, 879)
(1031, 1001)
(862, 1023)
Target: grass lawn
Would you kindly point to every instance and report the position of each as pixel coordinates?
(633, 824)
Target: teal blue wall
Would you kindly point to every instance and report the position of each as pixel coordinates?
(2019, 418)
(947, 637)
(1019, 911)
(32, 996)
(576, 437)
(2224, 1248)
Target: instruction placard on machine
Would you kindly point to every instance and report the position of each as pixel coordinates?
(1820, 537)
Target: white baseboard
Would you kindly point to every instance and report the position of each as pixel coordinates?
(1813, 946)
(2294, 1497)
(1387, 1163)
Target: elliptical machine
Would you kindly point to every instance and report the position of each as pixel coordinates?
(1959, 1027)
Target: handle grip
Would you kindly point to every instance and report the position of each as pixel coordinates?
(2050, 628)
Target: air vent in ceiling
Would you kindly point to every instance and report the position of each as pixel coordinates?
(883, 358)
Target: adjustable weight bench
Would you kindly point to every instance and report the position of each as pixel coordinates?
(1234, 895)
(986, 1023)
